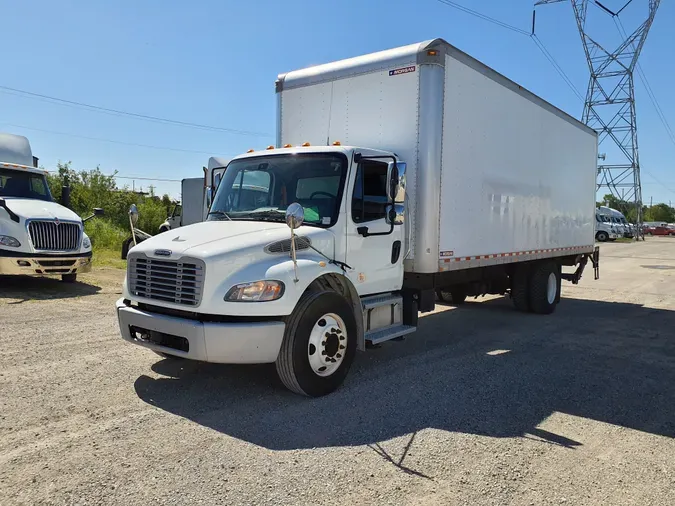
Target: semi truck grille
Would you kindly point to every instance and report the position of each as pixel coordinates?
(179, 282)
(54, 236)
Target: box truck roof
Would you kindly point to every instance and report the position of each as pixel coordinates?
(404, 59)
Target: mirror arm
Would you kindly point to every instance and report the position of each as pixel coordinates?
(84, 220)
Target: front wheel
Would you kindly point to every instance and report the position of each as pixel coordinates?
(319, 344)
(602, 236)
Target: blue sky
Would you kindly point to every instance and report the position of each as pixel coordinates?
(214, 62)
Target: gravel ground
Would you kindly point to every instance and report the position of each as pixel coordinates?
(482, 405)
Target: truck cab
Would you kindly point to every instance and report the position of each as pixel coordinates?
(37, 235)
(606, 228)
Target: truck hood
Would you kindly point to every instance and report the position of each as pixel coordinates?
(213, 238)
(35, 209)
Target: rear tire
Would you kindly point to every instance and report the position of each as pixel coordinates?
(455, 295)
(520, 288)
(544, 287)
(69, 278)
(312, 367)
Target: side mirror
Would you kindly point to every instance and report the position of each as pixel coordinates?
(133, 214)
(97, 212)
(295, 215)
(209, 196)
(392, 181)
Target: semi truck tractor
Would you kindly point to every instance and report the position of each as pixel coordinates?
(37, 235)
(397, 177)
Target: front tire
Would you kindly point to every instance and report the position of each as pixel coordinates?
(602, 236)
(319, 344)
(69, 278)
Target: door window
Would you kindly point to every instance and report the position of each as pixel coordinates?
(369, 200)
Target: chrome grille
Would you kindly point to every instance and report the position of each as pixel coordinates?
(50, 235)
(179, 282)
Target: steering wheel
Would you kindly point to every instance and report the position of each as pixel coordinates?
(322, 193)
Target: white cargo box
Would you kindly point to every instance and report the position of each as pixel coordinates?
(495, 174)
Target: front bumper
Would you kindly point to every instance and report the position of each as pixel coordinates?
(40, 264)
(225, 343)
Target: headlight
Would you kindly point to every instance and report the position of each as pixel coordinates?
(257, 291)
(7, 240)
(86, 242)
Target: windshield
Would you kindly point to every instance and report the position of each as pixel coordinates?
(261, 188)
(24, 184)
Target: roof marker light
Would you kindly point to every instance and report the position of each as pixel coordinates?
(305, 144)
(250, 150)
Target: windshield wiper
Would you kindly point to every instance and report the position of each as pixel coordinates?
(220, 213)
(270, 214)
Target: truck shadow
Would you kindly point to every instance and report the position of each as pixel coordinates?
(480, 369)
(19, 289)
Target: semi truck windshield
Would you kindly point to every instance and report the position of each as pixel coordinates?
(23, 184)
(261, 188)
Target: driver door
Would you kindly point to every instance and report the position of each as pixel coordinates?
(376, 260)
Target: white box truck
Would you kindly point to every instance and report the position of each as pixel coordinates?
(196, 193)
(37, 235)
(401, 174)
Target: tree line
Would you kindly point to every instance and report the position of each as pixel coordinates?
(657, 212)
(92, 188)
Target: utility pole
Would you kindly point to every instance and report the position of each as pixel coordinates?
(610, 100)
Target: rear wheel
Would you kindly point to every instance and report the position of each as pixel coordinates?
(544, 287)
(455, 295)
(69, 278)
(319, 344)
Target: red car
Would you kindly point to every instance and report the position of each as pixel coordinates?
(659, 230)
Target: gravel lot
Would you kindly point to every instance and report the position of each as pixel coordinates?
(482, 405)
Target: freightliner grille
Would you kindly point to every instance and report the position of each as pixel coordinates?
(176, 281)
(50, 235)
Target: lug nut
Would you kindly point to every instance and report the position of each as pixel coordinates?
(342, 346)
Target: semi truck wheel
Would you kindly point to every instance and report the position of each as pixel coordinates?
(69, 278)
(520, 288)
(456, 295)
(544, 286)
(602, 236)
(319, 344)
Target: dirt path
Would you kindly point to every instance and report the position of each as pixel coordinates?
(482, 405)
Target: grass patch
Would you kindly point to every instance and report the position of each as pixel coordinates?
(106, 257)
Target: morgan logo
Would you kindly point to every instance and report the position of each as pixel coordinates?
(404, 70)
(163, 252)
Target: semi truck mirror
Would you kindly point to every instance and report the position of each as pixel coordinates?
(133, 214)
(295, 215)
(399, 198)
(396, 214)
(98, 211)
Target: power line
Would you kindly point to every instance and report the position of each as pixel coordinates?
(484, 17)
(161, 148)
(650, 92)
(556, 66)
(119, 112)
(535, 39)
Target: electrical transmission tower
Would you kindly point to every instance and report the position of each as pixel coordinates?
(610, 99)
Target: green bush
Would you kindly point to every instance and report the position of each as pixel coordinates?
(104, 234)
(92, 188)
